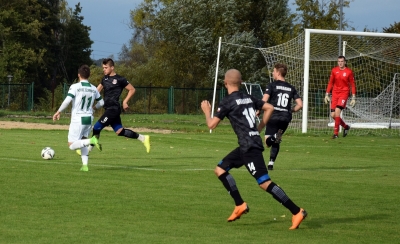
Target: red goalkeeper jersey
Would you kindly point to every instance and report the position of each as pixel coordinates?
(341, 80)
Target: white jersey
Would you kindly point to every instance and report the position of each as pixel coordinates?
(83, 95)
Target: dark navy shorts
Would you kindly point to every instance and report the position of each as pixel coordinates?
(253, 160)
(111, 117)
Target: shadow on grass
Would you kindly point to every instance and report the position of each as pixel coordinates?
(175, 157)
(317, 223)
(177, 167)
(340, 168)
(125, 168)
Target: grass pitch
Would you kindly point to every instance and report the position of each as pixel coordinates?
(350, 188)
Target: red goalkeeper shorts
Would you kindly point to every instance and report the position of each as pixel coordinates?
(339, 100)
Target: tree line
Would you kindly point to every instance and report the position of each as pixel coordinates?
(42, 41)
(174, 42)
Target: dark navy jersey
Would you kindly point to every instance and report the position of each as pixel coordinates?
(281, 94)
(113, 86)
(240, 108)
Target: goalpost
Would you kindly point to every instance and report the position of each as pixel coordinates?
(375, 61)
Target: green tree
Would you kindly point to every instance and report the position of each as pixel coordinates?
(41, 42)
(319, 14)
(48, 75)
(393, 28)
(26, 31)
(20, 30)
(76, 44)
(186, 39)
(271, 21)
(181, 36)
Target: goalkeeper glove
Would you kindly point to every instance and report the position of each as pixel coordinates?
(327, 98)
(353, 101)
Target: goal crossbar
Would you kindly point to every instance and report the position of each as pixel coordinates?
(310, 56)
(308, 33)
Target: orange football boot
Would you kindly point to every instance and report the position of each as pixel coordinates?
(238, 211)
(297, 219)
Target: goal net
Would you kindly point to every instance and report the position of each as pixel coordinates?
(375, 61)
(253, 89)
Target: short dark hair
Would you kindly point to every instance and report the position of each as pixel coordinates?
(281, 68)
(84, 71)
(344, 58)
(108, 61)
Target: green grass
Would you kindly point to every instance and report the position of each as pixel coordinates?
(350, 188)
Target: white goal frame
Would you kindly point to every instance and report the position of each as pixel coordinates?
(310, 58)
(308, 33)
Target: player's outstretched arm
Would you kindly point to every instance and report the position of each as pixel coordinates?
(56, 116)
(100, 87)
(268, 110)
(131, 92)
(63, 106)
(329, 87)
(299, 105)
(211, 122)
(265, 97)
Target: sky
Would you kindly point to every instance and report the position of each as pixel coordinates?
(109, 20)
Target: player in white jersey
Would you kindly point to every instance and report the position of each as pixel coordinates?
(82, 95)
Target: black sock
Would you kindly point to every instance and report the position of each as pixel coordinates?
(230, 185)
(281, 197)
(274, 152)
(129, 133)
(96, 133)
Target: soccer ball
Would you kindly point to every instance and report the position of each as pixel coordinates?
(47, 153)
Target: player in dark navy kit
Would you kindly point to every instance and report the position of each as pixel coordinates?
(279, 94)
(240, 109)
(113, 85)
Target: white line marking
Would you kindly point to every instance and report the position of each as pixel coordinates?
(52, 161)
(195, 169)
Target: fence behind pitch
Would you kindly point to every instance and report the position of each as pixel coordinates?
(171, 100)
(16, 97)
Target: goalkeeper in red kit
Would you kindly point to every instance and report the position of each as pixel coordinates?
(340, 81)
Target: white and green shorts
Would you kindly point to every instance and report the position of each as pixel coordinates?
(79, 127)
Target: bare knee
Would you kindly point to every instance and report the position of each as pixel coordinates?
(219, 171)
(119, 131)
(265, 185)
